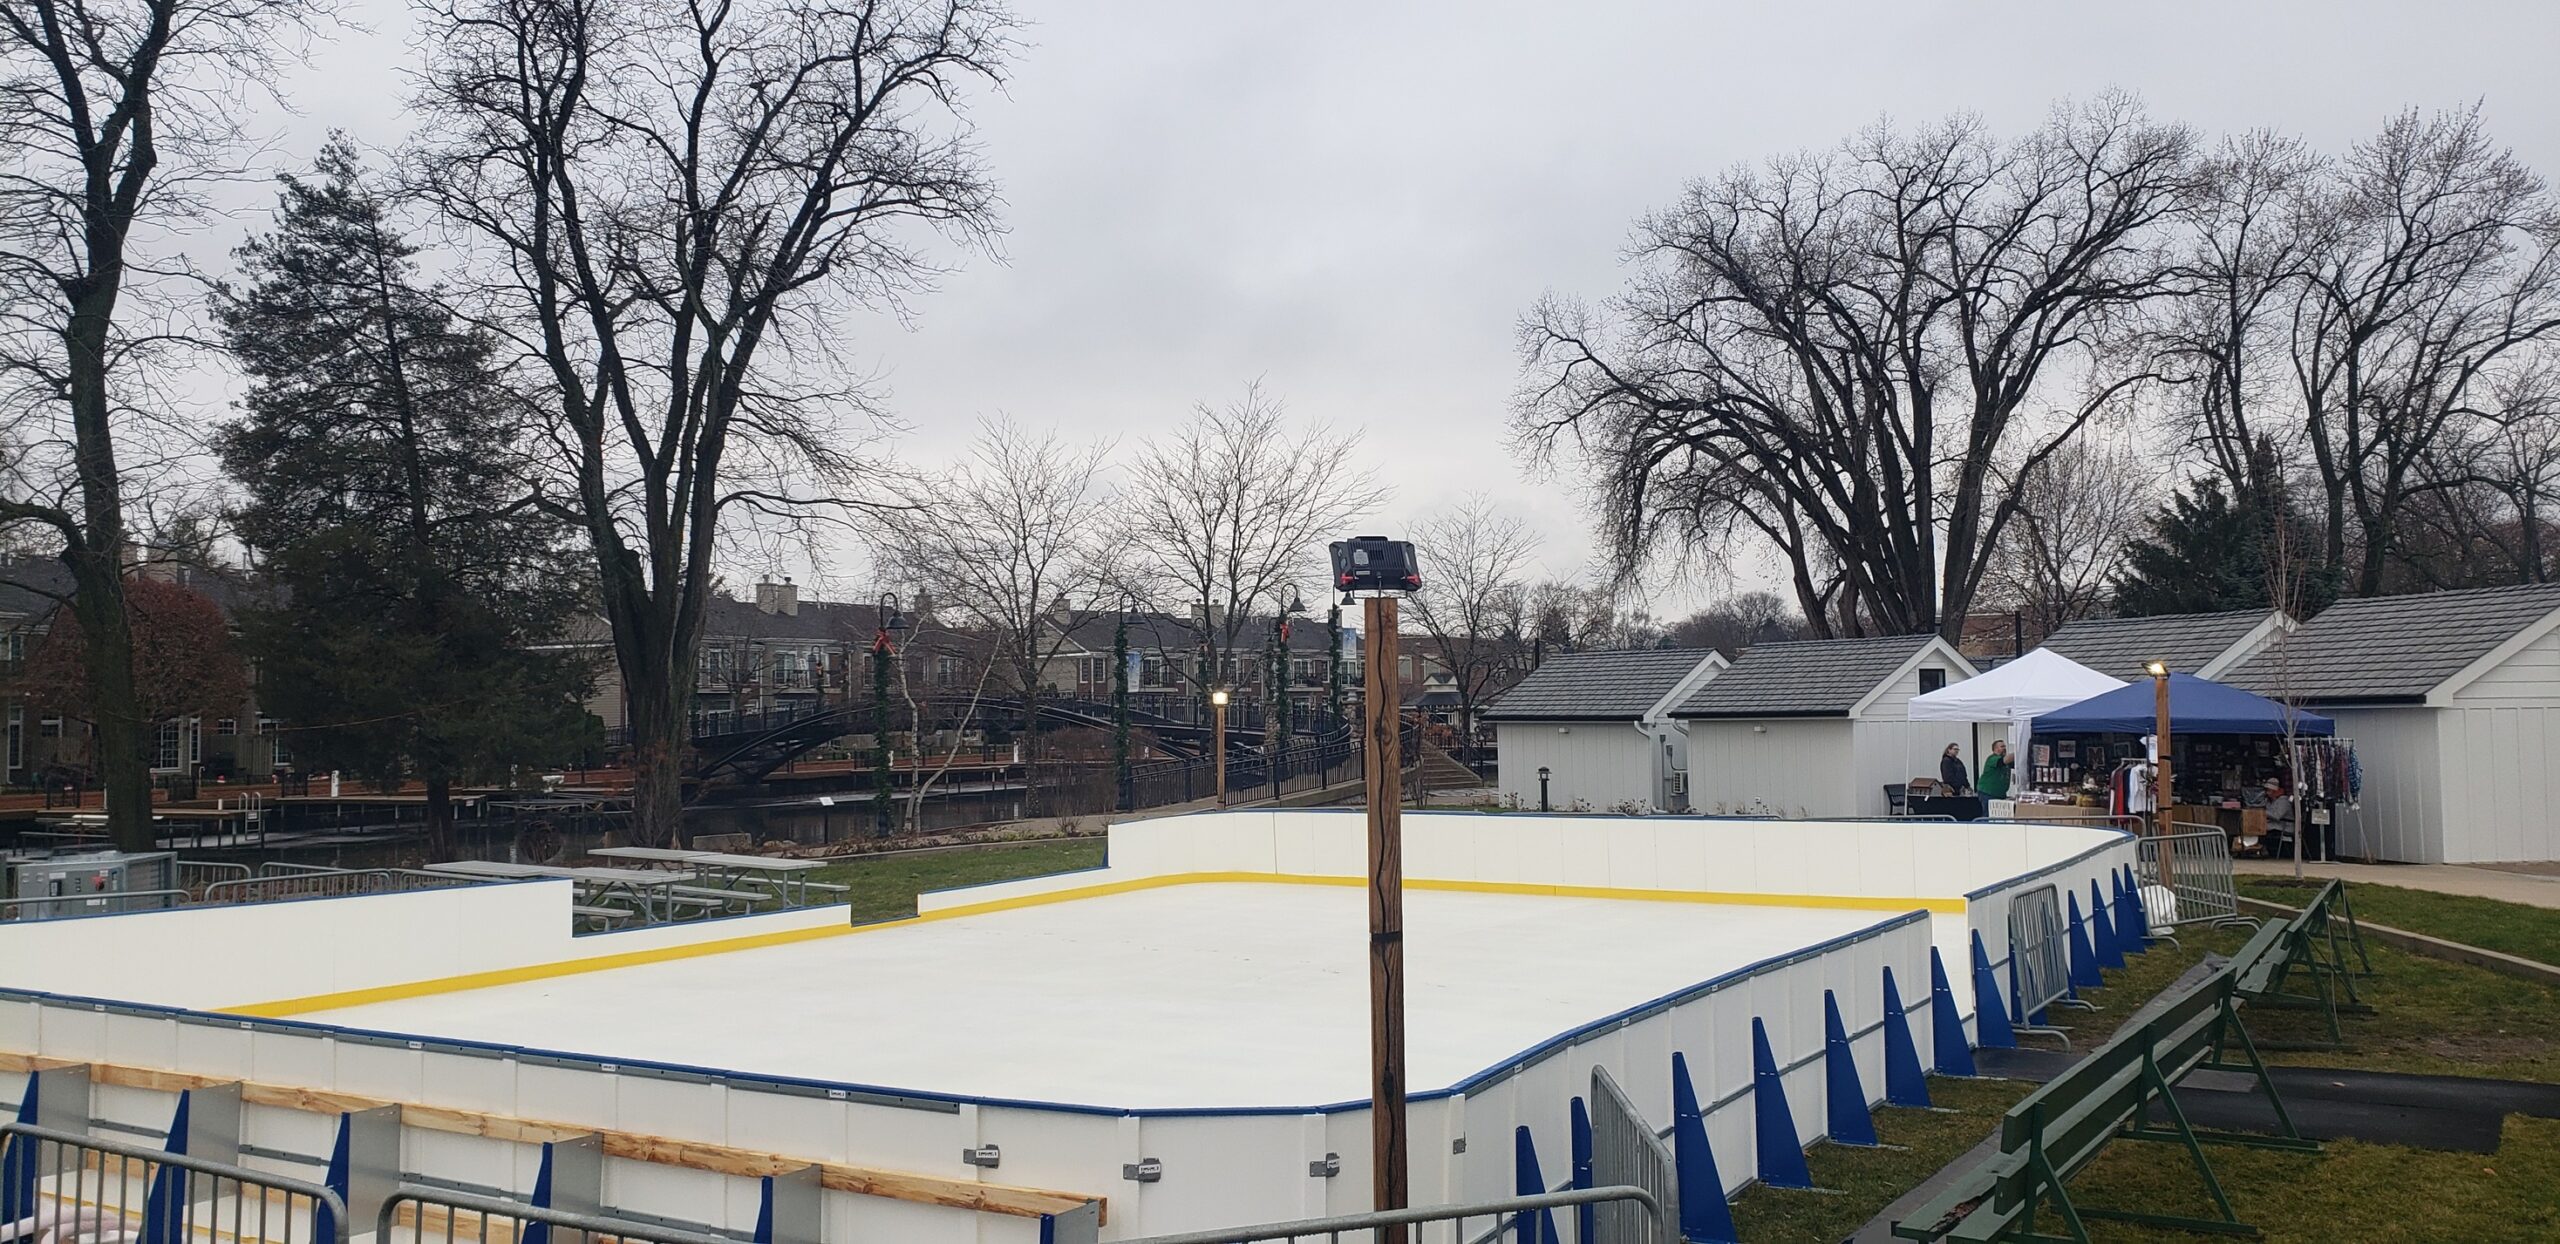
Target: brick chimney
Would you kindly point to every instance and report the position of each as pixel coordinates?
(782, 598)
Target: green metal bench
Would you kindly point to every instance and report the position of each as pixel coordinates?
(2122, 1090)
(2299, 963)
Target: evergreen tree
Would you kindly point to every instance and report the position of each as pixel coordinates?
(2204, 555)
(415, 574)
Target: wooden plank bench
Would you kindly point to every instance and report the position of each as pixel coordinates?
(2122, 1090)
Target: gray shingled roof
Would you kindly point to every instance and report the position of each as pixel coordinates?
(1597, 686)
(2395, 647)
(1814, 678)
(2122, 646)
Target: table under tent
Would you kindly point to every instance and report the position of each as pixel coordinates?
(2010, 696)
(2225, 746)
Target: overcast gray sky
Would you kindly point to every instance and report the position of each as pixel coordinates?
(1354, 202)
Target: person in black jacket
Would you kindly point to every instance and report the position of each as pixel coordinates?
(1952, 776)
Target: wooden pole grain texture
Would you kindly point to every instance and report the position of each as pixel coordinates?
(1388, 1138)
(2161, 804)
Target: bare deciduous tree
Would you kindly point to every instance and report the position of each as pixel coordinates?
(1474, 601)
(677, 202)
(1856, 355)
(2442, 270)
(1232, 514)
(114, 117)
(1010, 541)
(2063, 548)
(2253, 225)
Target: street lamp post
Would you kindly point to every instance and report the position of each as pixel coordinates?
(1543, 774)
(1218, 738)
(1120, 711)
(881, 651)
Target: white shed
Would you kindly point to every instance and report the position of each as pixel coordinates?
(1599, 724)
(1819, 728)
(2453, 701)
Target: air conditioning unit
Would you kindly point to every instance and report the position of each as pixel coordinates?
(1680, 783)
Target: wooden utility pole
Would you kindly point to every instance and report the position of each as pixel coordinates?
(2160, 732)
(1387, 1138)
(2160, 763)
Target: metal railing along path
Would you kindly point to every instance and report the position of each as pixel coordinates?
(2194, 865)
(436, 1215)
(1426, 1223)
(195, 875)
(97, 1189)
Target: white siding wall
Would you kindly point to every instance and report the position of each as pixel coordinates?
(1597, 764)
(2496, 762)
(2402, 814)
(1890, 747)
(2500, 769)
(1787, 767)
(1898, 751)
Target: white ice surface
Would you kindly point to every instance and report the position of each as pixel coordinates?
(1201, 995)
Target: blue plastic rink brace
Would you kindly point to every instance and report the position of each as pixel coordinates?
(2108, 947)
(1946, 1026)
(1705, 1218)
(1781, 1155)
(1844, 1097)
(1905, 1084)
(1990, 1014)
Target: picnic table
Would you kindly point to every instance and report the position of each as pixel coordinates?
(649, 891)
(788, 878)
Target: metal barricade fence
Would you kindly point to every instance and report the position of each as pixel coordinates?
(1627, 1152)
(2040, 955)
(80, 1188)
(302, 883)
(1489, 1219)
(2192, 865)
(195, 875)
(444, 1216)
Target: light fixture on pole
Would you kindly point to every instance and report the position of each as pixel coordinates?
(1543, 774)
(1383, 567)
(1218, 739)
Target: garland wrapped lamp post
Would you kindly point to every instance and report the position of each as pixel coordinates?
(1383, 568)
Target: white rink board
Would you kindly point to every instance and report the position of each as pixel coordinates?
(1203, 995)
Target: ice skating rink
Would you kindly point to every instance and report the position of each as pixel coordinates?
(1210, 995)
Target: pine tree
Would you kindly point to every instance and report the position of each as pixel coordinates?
(2204, 555)
(415, 575)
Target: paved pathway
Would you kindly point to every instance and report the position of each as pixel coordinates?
(2534, 889)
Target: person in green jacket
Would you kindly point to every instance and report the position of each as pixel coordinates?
(1996, 769)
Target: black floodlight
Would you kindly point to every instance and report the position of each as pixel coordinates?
(1375, 564)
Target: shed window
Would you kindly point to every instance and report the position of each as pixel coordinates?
(1932, 680)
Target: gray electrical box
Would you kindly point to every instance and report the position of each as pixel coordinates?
(91, 882)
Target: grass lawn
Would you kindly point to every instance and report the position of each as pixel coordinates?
(885, 887)
(2510, 928)
(2435, 1017)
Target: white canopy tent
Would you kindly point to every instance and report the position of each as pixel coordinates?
(2017, 693)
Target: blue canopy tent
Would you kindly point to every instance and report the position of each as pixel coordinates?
(2196, 706)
